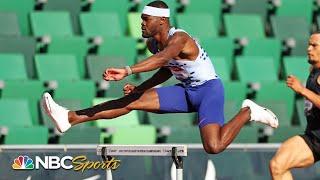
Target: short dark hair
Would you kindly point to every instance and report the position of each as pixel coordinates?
(158, 4)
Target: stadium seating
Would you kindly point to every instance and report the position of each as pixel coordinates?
(77, 46)
(183, 135)
(220, 47)
(205, 6)
(100, 24)
(120, 7)
(9, 116)
(81, 135)
(244, 26)
(260, 8)
(256, 69)
(20, 45)
(143, 134)
(51, 23)
(10, 24)
(221, 68)
(265, 47)
(12, 67)
(119, 46)
(76, 90)
(193, 24)
(297, 66)
(73, 7)
(26, 89)
(292, 8)
(27, 135)
(283, 133)
(22, 11)
(57, 67)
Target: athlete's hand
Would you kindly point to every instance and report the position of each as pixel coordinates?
(128, 88)
(114, 74)
(294, 84)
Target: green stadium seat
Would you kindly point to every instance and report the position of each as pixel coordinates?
(9, 116)
(71, 6)
(119, 7)
(247, 134)
(12, 67)
(278, 92)
(184, 135)
(286, 27)
(206, 6)
(81, 135)
(297, 66)
(10, 24)
(300, 112)
(143, 134)
(281, 134)
(20, 45)
(251, 7)
(21, 9)
(264, 47)
(231, 108)
(29, 90)
(77, 46)
(130, 119)
(98, 64)
(244, 26)
(51, 23)
(193, 24)
(57, 67)
(76, 90)
(293, 8)
(300, 47)
(134, 20)
(29, 135)
(230, 93)
(221, 67)
(171, 119)
(220, 47)
(256, 69)
(94, 24)
(119, 46)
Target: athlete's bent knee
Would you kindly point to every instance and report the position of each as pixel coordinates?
(214, 148)
(276, 167)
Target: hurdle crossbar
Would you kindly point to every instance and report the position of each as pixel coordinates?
(176, 151)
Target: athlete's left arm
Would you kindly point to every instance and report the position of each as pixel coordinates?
(173, 49)
(295, 85)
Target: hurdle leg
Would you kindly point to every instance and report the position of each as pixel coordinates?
(179, 164)
(108, 158)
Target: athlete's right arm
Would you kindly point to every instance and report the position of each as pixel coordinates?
(295, 85)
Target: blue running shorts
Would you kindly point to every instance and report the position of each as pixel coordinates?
(206, 99)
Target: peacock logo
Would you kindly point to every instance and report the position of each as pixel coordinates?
(23, 162)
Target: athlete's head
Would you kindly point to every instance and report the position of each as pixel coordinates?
(155, 17)
(314, 49)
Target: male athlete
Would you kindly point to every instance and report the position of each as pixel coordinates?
(303, 150)
(201, 90)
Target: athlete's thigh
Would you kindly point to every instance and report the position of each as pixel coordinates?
(294, 153)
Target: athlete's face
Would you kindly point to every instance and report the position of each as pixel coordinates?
(149, 25)
(314, 49)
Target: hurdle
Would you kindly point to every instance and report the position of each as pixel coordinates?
(175, 151)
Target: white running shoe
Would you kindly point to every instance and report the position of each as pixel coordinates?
(57, 113)
(261, 114)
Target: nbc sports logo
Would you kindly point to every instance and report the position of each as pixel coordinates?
(23, 162)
